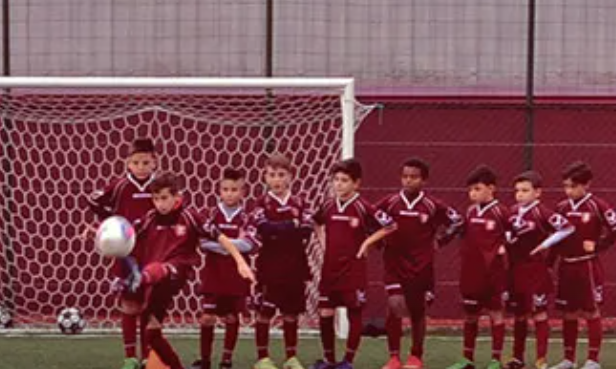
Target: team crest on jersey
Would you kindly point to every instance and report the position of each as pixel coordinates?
(423, 218)
(180, 230)
(354, 222)
(586, 217)
(490, 225)
(295, 212)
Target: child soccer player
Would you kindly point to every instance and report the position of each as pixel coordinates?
(580, 274)
(129, 197)
(409, 257)
(483, 272)
(169, 235)
(223, 289)
(347, 226)
(284, 228)
(534, 228)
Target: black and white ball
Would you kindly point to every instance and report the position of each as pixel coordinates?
(70, 321)
(6, 319)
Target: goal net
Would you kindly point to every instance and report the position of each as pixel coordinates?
(62, 138)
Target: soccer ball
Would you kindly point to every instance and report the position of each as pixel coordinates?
(6, 320)
(70, 321)
(115, 237)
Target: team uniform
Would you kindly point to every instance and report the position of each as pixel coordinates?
(483, 275)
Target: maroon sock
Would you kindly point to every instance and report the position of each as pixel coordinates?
(354, 339)
(595, 336)
(542, 335)
(470, 337)
(570, 335)
(163, 348)
(498, 340)
(290, 337)
(231, 333)
(207, 340)
(328, 338)
(262, 336)
(394, 334)
(419, 334)
(520, 331)
(143, 336)
(129, 335)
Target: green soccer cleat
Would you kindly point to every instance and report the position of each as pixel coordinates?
(464, 363)
(292, 363)
(494, 364)
(265, 363)
(131, 363)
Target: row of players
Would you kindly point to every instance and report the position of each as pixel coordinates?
(503, 252)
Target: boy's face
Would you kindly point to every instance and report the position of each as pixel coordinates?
(344, 185)
(574, 191)
(525, 192)
(141, 164)
(231, 191)
(278, 180)
(165, 201)
(480, 193)
(411, 178)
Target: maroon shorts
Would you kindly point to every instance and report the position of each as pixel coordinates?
(580, 285)
(287, 298)
(222, 305)
(531, 287)
(355, 299)
(420, 287)
(159, 298)
(484, 291)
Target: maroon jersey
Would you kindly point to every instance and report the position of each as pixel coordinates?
(347, 225)
(220, 275)
(411, 247)
(171, 238)
(530, 226)
(593, 219)
(126, 197)
(484, 234)
(283, 228)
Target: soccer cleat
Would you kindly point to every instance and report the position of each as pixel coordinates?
(413, 362)
(541, 363)
(131, 363)
(344, 365)
(292, 363)
(514, 364)
(590, 364)
(393, 363)
(225, 365)
(494, 364)
(322, 364)
(565, 364)
(463, 364)
(265, 363)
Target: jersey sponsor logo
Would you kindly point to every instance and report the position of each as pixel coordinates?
(142, 196)
(227, 226)
(423, 217)
(180, 230)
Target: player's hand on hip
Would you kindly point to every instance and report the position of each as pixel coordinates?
(246, 272)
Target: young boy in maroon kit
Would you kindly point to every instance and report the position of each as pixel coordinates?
(129, 197)
(483, 275)
(423, 223)
(534, 228)
(168, 237)
(580, 273)
(347, 226)
(284, 229)
(223, 289)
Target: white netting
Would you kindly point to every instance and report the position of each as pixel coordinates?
(58, 147)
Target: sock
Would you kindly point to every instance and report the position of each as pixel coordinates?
(129, 335)
(470, 337)
(328, 338)
(595, 336)
(520, 331)
(355, 327)
(542, 335)
(231, 332)
(394, 334)
(498, 340)
(207, 339)
(143, 336)
(262, 336)
(164, 350)
(419, 335)
(570, 334)
(290, 337)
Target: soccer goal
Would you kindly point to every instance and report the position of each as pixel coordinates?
(62, 138)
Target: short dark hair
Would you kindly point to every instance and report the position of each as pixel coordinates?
(483, 174)
(350, 167)
(279, 161)
(142, 145)
(418, 163)
(578, 172)
(233, 174)
(166, 180)
(534, 178)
